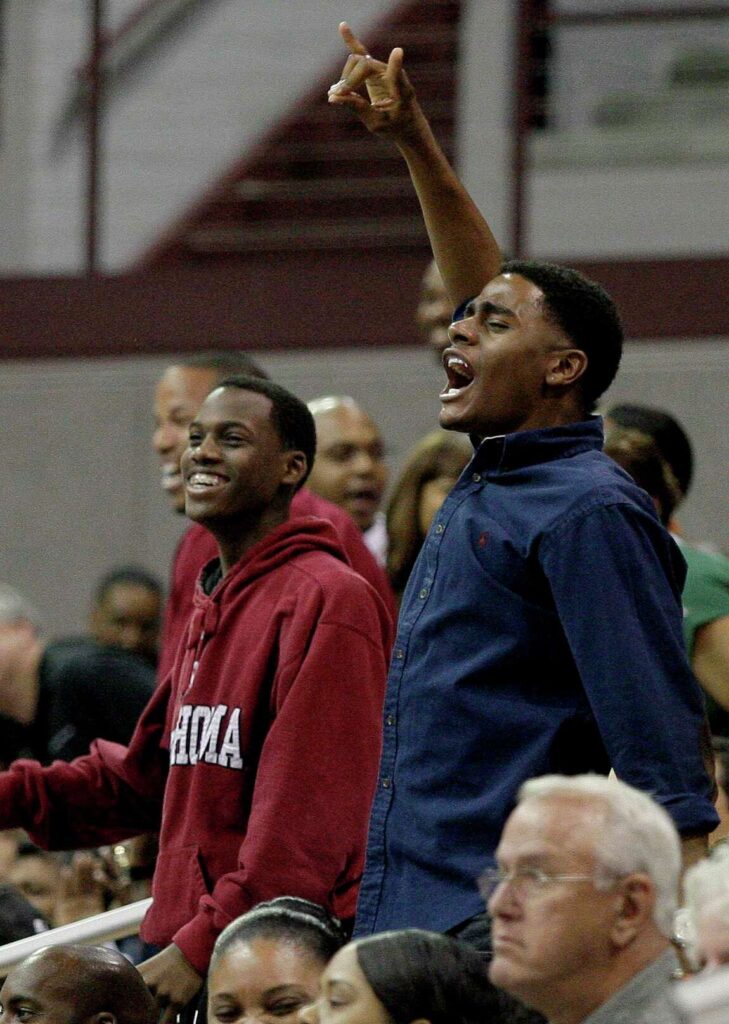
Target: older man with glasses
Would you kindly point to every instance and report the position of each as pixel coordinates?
(583, 899)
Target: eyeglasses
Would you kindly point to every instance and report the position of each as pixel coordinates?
(525, 881)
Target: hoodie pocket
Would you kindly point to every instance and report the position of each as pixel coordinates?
(177, 887)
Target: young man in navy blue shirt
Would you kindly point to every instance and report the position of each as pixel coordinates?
(540, 631)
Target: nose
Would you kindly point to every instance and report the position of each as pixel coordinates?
(462, 331)
(502, 900)
(309, 1014)
(207, 450)
(363, 463)
(131, 637)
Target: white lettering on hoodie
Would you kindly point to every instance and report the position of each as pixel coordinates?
(196, 737)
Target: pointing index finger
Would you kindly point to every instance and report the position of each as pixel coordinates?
(351, 40)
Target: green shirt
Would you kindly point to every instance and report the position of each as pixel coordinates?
(706, 592)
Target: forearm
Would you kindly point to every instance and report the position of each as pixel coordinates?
(464, 247)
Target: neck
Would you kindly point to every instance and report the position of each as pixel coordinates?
(19, 682)
(236, 538)
(595, 990)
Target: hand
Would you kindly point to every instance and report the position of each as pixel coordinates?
(83, 889)
(172, 981)
(390, 106)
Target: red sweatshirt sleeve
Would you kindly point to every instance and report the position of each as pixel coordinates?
(316, 776)
(110, 794)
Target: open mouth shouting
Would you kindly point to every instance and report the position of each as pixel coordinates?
(459, 372)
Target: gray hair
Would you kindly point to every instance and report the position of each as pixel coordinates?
(638, 835)
(15, 609)
(706, 887)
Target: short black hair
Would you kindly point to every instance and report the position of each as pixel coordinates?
(668, 434)
(223, 363)
(127, 574)
(290, 416)
(288, 919)
(584, 311)
(416, 973)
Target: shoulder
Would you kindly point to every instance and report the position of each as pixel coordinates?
(196, 547)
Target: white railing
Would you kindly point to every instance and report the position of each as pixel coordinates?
(114, 924)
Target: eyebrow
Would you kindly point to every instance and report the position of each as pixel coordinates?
(492, 307)
(341, 982)
(224, 425)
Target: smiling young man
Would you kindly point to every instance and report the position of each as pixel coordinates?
(180, 392)
(258, 752)
(541, 627)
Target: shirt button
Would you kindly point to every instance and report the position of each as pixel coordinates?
(423, 593)
(390, 720)
(399, 654)
(476, 478)
(385, 783)
(440, 528)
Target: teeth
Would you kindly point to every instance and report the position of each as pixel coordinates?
(204, 479)
(459, 366)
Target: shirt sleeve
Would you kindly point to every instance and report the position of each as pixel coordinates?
(110, 794)
(615, 577)
(314, 782)
(706, 594)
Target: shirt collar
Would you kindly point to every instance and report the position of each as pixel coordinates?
(527, 447)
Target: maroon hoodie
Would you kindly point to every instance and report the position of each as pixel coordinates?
(198, 546)
(259, 751)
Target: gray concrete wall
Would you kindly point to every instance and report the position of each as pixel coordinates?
(81, 492)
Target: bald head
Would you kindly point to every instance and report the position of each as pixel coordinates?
(349, 468)
(77, 985)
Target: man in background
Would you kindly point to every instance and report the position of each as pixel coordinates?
(350, 468)
(583, 899)
(76, 985)
(434, 312)
(127, 612)
(57, 697)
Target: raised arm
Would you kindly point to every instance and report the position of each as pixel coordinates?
(381, 94)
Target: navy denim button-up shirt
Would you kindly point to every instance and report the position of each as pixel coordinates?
(540, 632)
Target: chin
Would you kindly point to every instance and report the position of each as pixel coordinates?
(452, 422)
(504, 975)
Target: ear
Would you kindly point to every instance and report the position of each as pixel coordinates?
(295, 467)
(103, 1017)
(635, 900)
(565, 366)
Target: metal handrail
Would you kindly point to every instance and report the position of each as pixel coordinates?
(113, 924)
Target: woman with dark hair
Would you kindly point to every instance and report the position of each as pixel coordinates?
(405, 976)
(267, 963)
(431, 470)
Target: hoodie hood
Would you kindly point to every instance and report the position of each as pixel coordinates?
(295, 537)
